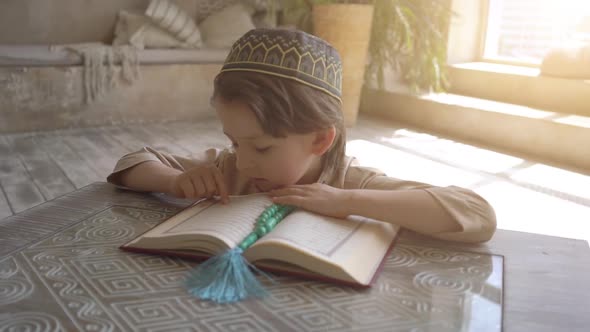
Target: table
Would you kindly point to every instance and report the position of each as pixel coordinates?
(60, 269)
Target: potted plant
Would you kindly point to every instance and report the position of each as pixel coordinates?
(408, 36)
(347, 26)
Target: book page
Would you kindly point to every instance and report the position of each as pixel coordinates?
(230, 223)
(354, 246)
(319, 234)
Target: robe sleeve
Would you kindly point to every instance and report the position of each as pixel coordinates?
(472, 212)
(149, 154)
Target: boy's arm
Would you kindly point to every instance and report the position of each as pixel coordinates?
(413, 209)
(151, 170)
(448, 213)
(150, 176)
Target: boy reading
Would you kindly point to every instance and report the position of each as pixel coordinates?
(278, 97)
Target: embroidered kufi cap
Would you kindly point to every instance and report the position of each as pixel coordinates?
(291, 54)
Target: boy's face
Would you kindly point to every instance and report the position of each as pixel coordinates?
(270, 162)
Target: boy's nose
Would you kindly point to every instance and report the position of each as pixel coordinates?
(243, 162)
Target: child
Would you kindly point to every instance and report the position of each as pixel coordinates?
(278, 99)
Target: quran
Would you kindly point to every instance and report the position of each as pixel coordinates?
(349, 251)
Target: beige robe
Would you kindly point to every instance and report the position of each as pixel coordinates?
(468, 209)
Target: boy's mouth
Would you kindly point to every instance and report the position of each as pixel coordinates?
(260, 182)
(263, 184)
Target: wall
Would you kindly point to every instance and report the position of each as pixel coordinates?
(466, 31)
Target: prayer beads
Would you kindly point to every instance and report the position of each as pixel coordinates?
(267, 220)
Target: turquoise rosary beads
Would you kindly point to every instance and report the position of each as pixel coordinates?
(267, 220)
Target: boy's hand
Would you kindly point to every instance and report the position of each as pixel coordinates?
(199, 182)
(317, 197)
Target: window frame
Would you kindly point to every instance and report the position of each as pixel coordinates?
(486, 7)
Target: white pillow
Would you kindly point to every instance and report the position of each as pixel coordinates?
(567, 62)
(208, 7)
(173, 19)
(139, 31)
(223, 28)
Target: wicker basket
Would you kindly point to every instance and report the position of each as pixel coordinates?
(348, 28)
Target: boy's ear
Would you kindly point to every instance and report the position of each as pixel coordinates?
(323, 140)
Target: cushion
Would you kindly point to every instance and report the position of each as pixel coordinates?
(572, 62)
(207, 7)
(223, 28)
(173, 19)
(139, 31)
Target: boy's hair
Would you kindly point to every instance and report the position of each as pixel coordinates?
(283, 106)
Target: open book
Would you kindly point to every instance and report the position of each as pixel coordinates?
(348, 250)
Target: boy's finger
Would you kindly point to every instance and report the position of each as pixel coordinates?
(201, 187)
(290, 200)
(210, 186)
(286, 191)
(222, 190)
(187, 188)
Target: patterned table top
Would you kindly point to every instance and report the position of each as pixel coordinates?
(61, 270)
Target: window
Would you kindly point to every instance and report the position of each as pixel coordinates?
(522, 31)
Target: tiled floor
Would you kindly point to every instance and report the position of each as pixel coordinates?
(527, 196)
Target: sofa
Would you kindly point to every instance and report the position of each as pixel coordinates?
(46, 82)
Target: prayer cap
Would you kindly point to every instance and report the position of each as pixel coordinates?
(290, 54)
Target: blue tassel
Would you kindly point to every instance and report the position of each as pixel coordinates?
(228, 277)
(225, 278)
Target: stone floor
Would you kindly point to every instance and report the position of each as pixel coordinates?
(528, 196)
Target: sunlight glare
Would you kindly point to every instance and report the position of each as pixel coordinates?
(525, 210)
(407, 166)
(575, 120)
(488, 105)
(453, 152)
(414, 135)
(555, 178)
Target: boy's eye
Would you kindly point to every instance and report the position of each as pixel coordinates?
(263, 150)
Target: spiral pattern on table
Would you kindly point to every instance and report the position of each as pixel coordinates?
(434, 282)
